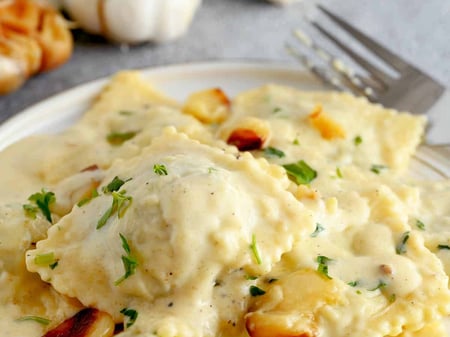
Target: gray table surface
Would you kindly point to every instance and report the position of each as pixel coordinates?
(417, 30)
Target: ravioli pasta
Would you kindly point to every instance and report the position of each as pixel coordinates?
(279, 213)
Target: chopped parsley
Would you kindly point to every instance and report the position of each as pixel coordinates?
(120, 204)
(37, 319)
(277, 110)
(322, 267)
(375, 168)
(273, 152)
(118, 138)
(381, 284)
(255, 251)
(401, 246)
(319, 228)
(212, 169)
(54, 265)
(43, 200)
(114, 185)
(126, 113)
(357, 140)
(131, 315)
(255, 291)
(47, 259)
(94, 194)
(129, 262)
(392, 298)
(420, 225)
(30, 210)
(353, 283)
(300, 172)
(251, 277)
(339, 172)
(160, 169)
(296, 141)
(443, 247)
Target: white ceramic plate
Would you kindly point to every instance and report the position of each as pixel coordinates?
(178, 81)
(58, 112)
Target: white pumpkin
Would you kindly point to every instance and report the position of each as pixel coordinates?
(133, 21)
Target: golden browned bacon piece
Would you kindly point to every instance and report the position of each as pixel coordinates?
(86, 323)
(92, 167)
(246, 140)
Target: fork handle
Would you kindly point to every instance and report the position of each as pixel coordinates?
(438, 132)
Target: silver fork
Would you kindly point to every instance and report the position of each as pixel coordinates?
(412, 91)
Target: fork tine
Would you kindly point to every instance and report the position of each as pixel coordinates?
(386, 55)
(358, 84)
(371, 83)
(319, 72)
(376, 72)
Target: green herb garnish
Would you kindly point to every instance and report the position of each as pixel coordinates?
(401, 247)
(381, 284)
(357, 140)
(54, 265)
(277, 110)
(126, 113)
(120, 204)
(118, 138)
(274, 152)
(339, 173)
(420, 225)
(43, 200)
(129, 262)
(255, 251)
(160, 169)
(319, 228)
(30, 210)
(300, 172)
(353, 283)
(443, 247)
(392, 298)
(131, 315)
(47, 259)
(37, 319)
(255, 291)
(251, 277)
(114, 185)
(296, 141)
(322, 268)
(212, 169)
(375, 168)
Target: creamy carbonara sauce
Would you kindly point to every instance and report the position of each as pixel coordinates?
(284, 213)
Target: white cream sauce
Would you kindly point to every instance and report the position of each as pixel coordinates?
(194, 232)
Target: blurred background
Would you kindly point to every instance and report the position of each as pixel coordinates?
(256, 30)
